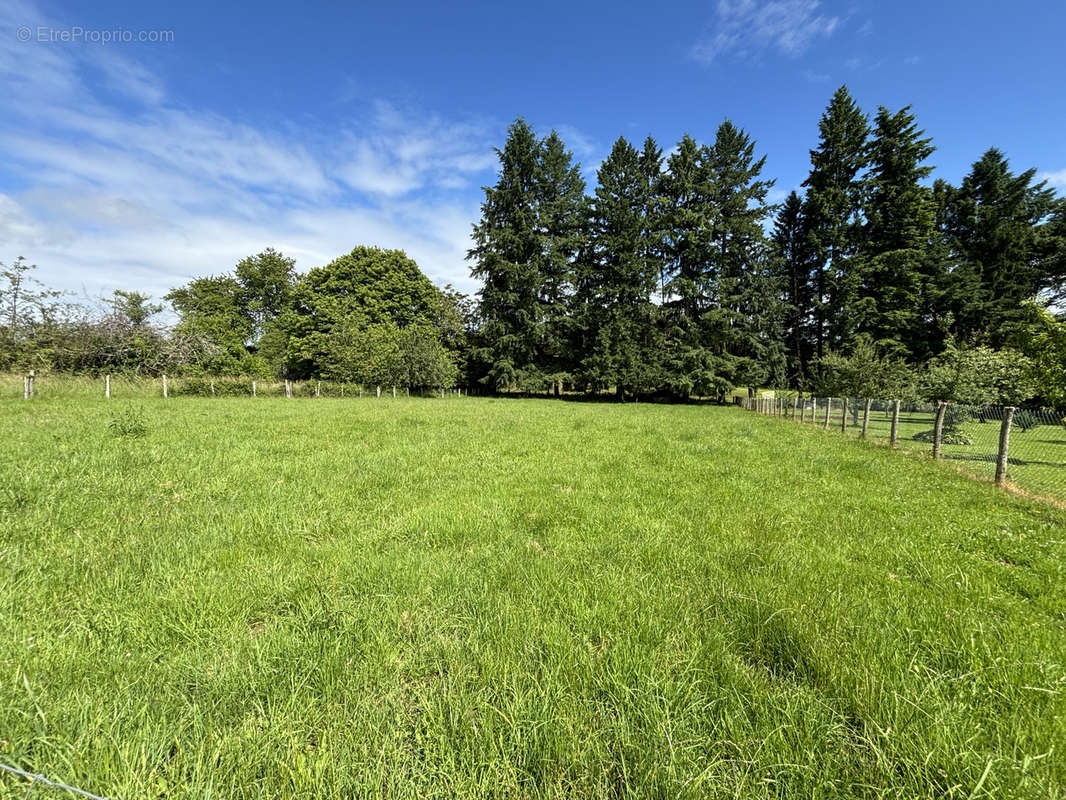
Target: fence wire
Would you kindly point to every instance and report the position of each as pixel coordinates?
(970, 436)
(40, 780)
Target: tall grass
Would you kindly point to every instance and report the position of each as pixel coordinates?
(506, 598)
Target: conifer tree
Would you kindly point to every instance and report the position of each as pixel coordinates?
(743, 324)
(896, 259)
(561, 214)
(523, 251)
(832, 207)
(620, 277)
(994, 223)
(793, 267)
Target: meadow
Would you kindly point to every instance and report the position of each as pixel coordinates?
(477, 597)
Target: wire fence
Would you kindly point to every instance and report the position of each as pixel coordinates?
(35, 780)
(1024, 448)
(50, 385)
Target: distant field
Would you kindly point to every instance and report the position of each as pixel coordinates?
(334, 598)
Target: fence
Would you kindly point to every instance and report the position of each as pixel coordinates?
(40, 780)
(32, 385)
(1024, 448)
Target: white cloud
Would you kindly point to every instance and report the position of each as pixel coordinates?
(108, 182)
(743, 28)
(1056, 179)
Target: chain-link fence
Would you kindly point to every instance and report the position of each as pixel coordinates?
(1021, 447)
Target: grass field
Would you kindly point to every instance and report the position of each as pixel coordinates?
(1037, 462)
(505, 598)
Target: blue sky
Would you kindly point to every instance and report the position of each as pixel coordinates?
(313, 128)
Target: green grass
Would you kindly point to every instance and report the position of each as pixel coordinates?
(1037, 462)
(504, 598)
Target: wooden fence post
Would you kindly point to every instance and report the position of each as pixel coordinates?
(803, 411)
(107, 386)
(814, 409)
(166, 392)
(866, 418)
(1004, 445)
(318, 388)
(894, 435)
(828, 410)
(379, 391)
(253, 388)
(27, 384)
(393, 392)
(288, 388)
(938, 428)
(212, 387)
(844, 416)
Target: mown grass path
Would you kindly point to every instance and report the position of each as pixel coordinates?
(507, 598)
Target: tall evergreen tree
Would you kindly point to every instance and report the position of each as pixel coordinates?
(507, 255)
(832, 207)
(561, 212)
(793, 267)
(897, 262)
(743, 324)
(620, 277)
(994, 222)
(692, 366)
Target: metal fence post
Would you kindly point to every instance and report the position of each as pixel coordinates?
(938, 428)
(894, 435)
(1004, 445)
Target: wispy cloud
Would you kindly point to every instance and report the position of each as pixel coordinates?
(743, 28)
(1056, 179)
(109, 182)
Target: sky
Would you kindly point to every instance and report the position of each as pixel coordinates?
(143, 145)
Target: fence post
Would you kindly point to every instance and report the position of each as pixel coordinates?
(212, 387)
(27, 384)
(318, 388)
(803, 411)
(938, 428)
(253, 388)
(1004, 445)
(866, 418)
(379, 391)
(814, 409)
(166, 392)
(107, 386)
(393, 392)
(894, 435)
(844, 416)
(828, 410)
(288, 388)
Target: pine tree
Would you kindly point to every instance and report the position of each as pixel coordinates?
(832, 207)
(688, 218)
(895, 253)
(743, 325)
(994, 224)
(620, 276)
(561, 213)
(507, 255)
(793, 268)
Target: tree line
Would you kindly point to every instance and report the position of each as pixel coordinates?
(677, 276)
(673, 277)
